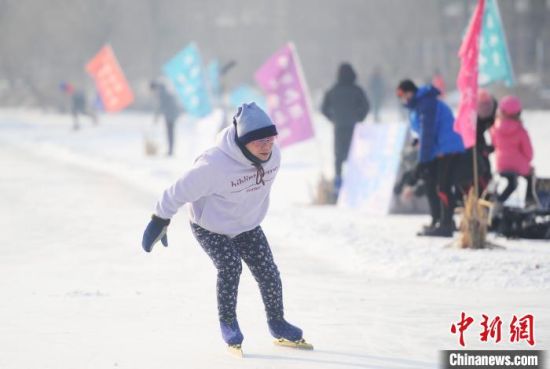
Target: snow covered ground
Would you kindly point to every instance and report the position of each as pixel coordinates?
(78, 291)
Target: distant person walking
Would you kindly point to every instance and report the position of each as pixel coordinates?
(79, 105)
(169, 108)
(376, 89)
(345, 105)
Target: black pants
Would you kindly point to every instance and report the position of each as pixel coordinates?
(463, 172)
(77, 112)
(439, 177)
(342, 143)
(513, 184)
(170, 123)
(226, 254)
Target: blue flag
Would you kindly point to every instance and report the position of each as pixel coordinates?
(494, 59)
(186, 73)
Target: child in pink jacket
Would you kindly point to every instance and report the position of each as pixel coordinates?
(513, 150)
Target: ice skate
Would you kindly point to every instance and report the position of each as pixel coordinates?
(287, 335)
(300, 344)
(235, 350)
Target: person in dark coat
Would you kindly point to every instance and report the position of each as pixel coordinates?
(169, 108)
(345, 105)
(441, 150)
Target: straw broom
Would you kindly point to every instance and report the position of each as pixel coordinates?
(474, 222)
(475, 216)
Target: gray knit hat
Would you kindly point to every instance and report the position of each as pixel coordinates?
(253, 123)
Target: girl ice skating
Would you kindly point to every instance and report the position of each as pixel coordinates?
(228, 190)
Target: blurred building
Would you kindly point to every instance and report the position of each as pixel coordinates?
(44, 42)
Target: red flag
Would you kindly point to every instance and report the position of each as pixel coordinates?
(465, 123)
(111, 84)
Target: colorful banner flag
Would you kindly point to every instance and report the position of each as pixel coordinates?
(110, 81)
(494, 59)
(281, 79)
(465, 123)
(186, 73)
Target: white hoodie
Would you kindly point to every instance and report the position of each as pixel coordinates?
(221, 188)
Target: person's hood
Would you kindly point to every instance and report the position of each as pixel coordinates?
(507, 126)
(225, 141)
(346, 74)
(423, 92)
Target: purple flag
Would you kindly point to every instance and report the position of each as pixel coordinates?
(282, 81)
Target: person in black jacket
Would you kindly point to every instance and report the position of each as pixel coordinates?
(345, 104)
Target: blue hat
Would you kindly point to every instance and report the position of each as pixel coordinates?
(252, 123)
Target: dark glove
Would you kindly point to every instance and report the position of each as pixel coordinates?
(414, 142)
(422, 170)
(407, 179)
(155, 231)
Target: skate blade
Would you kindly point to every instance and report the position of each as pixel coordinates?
(236, 351)
(301, 344)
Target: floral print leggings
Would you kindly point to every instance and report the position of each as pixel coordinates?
(226, 254)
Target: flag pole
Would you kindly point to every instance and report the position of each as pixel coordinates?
(476, 174)
(478, 234)
(473, 228)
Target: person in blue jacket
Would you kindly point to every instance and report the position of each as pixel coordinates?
(440, 152)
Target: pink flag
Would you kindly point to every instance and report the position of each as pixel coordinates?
(465, 123)
(281, 79)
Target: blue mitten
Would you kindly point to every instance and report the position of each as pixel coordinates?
(155, 231)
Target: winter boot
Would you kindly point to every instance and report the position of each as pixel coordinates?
(439, 231)
(425, 228)
(231, 332)
(280, 328)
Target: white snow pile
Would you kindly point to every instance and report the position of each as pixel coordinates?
(378, 247)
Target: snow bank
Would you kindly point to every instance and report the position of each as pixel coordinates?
(377, 247)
